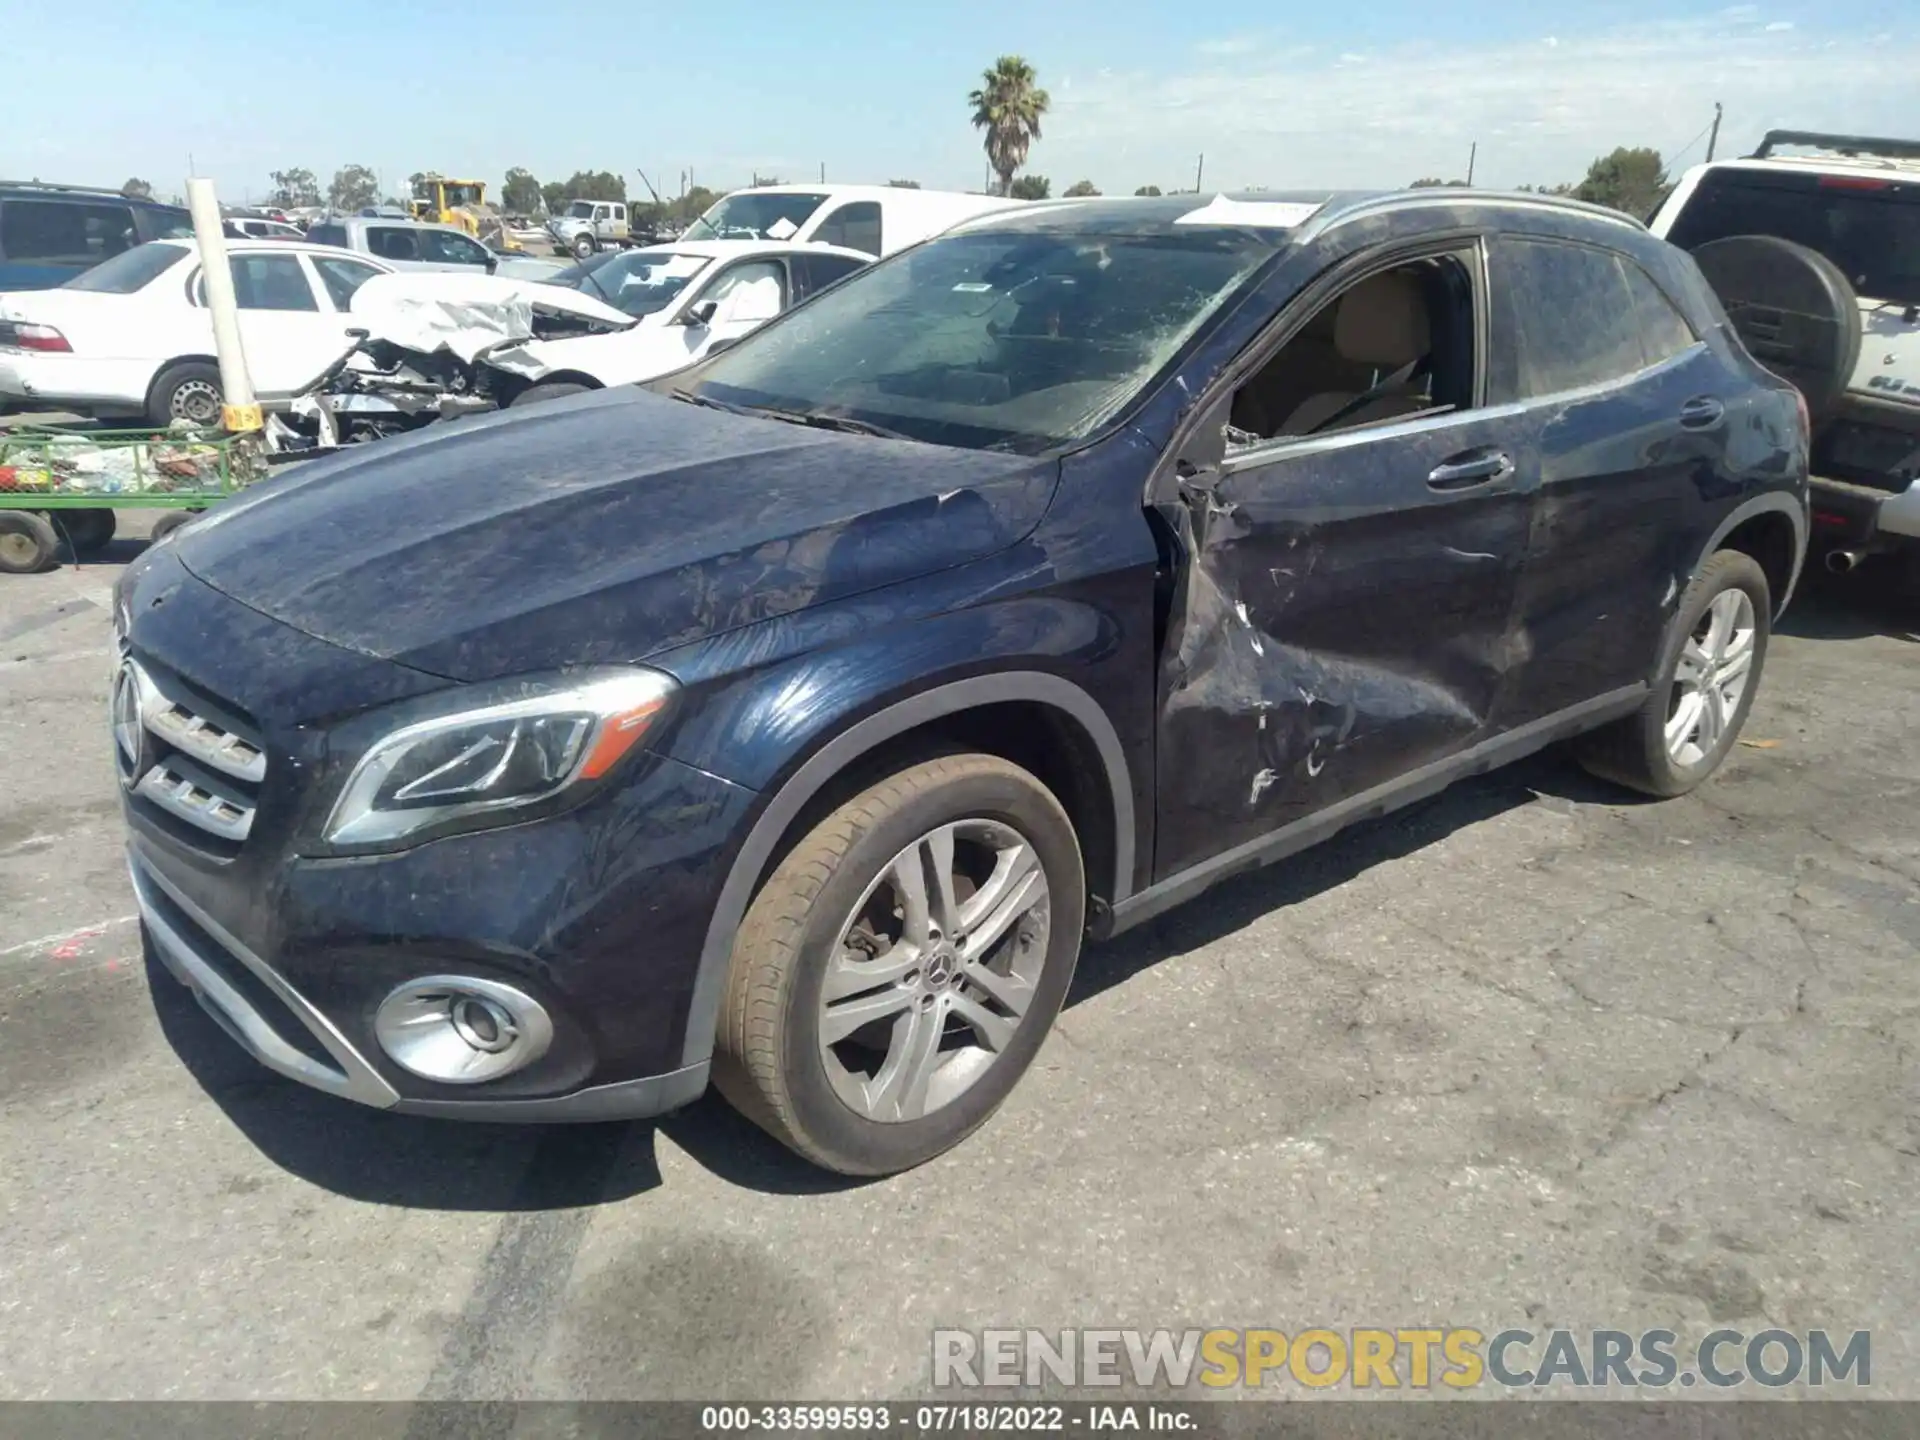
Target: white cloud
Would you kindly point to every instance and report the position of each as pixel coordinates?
(1541, 110)
(1228, 45)
(1780, 25)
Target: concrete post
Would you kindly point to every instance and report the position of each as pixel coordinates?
(239, 412)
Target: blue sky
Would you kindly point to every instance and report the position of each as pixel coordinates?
(1357, 94)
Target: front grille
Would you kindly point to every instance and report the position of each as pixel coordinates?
(187, 756)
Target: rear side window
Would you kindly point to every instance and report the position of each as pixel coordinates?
(65, 232)
(816, 272)
(1573, 315)
(392, 242)
(128, 271)
(854, 226)
(1664, 331)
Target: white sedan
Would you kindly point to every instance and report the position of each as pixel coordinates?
(132, 337)
(688, 298)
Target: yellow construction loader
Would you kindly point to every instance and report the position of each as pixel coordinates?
(463, 203)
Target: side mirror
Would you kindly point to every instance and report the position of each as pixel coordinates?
(700, 316)
(723, 344)
(493, 263)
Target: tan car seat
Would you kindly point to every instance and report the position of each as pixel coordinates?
(1382, 323)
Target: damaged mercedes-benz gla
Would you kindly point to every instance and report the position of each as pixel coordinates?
(792, 723)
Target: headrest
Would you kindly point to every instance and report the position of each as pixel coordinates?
(1383, 321)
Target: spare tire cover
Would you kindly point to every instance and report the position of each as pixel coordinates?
(1794, 309)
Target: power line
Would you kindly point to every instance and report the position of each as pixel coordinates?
(1674, 158)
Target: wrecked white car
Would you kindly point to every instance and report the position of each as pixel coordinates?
(442, 345)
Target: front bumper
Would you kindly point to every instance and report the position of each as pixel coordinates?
(277, 1025)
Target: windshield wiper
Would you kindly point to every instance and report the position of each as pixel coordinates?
(825, 420)
(709, 402)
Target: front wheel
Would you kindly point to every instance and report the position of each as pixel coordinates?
(1709, 672)
(583, 246)
(898, 971)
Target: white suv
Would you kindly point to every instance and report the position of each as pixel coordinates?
(1813, 243)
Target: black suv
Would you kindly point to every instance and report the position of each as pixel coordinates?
(50, 233)
(792, 720)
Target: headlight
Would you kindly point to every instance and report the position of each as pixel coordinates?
(497, 758)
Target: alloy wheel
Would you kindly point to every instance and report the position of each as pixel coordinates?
(1712, 675)
(196, 401)
(934, 970)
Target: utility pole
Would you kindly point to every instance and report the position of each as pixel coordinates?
(1713, 139)
(1198, 171)
(1473, 156)
(823, 172)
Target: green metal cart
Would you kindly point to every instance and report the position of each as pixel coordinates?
(64, 485)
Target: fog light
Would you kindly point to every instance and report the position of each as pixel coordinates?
(461, 1031)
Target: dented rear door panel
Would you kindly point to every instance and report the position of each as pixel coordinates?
(1336, 621)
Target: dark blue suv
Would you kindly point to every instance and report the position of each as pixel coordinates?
(50, 233)
(792, 720)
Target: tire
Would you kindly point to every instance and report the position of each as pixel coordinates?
(1635, 751)
(583, 246)
(187, 391)
(534, 394)
(27, 542)
(844, 1108)
(164, 528)
(87, 531)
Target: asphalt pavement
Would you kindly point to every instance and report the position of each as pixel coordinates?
(1535, 1053)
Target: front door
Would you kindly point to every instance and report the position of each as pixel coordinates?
(1347, 560)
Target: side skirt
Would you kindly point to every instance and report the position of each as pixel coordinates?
(1428, 780)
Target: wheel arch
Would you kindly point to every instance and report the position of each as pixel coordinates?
(953, 711)
(1772, 528)
(166, 367)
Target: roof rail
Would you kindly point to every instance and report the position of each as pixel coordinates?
(74, 189)
(1842, 144)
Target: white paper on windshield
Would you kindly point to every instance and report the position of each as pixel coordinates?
(781, 229)
(1269, 214)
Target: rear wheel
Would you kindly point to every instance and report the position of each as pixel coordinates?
(898, 971)
(27, 542)
(87, 530)
(164, 527)
(189, 391)
(1710, 669)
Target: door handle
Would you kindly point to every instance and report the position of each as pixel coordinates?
(1471, 470)
(1703, 412)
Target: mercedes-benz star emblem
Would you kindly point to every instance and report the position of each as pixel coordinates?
(129, 734)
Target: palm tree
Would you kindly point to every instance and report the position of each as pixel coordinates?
(1008, 106)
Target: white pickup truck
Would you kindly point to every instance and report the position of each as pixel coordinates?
(1813, 244)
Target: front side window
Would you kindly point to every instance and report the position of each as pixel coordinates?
(1392, 346)
(332, 235)
(993, 339)
(748, 294)
(64, 232)
(446, 248)
(1573, 316)
(342, 277)
(755, 215)
(855, 226)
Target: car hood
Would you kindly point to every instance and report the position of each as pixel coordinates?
(600, 529)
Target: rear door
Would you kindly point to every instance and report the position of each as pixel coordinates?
(1633, 415)
(288, 326)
